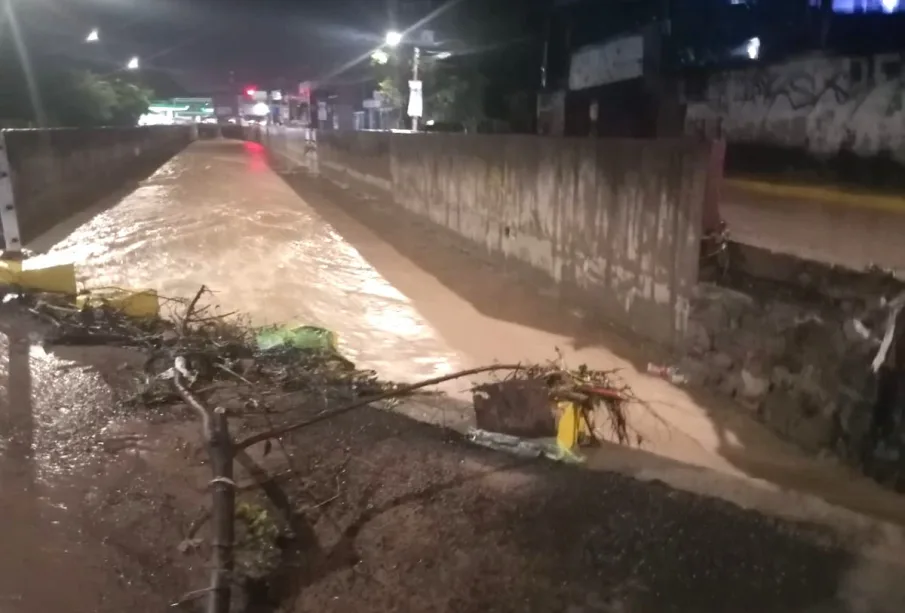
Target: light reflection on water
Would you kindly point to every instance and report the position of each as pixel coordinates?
(211, 216)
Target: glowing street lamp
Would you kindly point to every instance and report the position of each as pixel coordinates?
(133, 64)
(93, 36)
(393, 38)
(753, 48)
(380, 56)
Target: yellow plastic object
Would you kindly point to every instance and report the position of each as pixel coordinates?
(134, 303)
(52, 279)
(569, 426)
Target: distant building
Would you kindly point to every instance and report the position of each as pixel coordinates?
(603, 73)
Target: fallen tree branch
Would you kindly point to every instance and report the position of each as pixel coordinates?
(397, 392)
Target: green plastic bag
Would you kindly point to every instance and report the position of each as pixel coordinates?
(310, 338)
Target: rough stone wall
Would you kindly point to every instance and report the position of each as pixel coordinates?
(793, 341)
(822, 105)
(616, 224)
(57, 173)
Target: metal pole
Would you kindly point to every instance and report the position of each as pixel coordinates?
(415, 62)
(546, 55)
(9, 219)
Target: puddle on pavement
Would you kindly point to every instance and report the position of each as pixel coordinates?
(52, 409)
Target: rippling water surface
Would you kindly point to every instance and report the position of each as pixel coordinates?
(217, 215)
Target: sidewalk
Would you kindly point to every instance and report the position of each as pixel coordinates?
(820, 223)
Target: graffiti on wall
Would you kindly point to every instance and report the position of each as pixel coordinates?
(821, 104)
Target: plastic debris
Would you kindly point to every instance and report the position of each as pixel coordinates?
(670, 373)
(311, 338)
(526, 448)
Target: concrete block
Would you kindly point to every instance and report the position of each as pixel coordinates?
(59, 172)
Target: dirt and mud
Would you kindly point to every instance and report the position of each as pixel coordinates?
(381, 513)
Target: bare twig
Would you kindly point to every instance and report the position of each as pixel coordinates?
(191, 597)
(197, 523)
(402, 390)
(233, 373)
(200, 409)
(190, 310)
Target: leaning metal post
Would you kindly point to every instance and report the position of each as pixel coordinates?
(9, 219)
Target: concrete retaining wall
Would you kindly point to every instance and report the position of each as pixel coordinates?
(616, 224)
(59, 172)
(364, 155)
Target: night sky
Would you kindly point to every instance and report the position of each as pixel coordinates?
(200, 41)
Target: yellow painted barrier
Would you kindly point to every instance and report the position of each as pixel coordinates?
(134, 303)
(61, 279)
(58, 279)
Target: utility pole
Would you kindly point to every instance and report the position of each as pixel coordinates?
(415, 61)
(826, 17)
(545, 58)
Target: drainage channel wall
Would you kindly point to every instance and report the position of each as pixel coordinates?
(617, 225)
(59, 172)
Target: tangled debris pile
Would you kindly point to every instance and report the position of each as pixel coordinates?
(233, 376)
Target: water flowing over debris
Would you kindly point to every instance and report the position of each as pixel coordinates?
(231, 376)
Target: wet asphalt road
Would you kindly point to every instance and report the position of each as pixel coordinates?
(217, 215)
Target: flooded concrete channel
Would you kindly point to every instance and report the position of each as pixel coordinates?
(711, 501)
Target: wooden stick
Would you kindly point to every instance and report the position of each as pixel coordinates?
(394, 393)
(223, 509)
(223, 514)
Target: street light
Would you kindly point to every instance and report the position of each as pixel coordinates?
(93, 36)
(380, 56)
(443, 55)
(392, 39)
(753, 48)
(133, 64)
